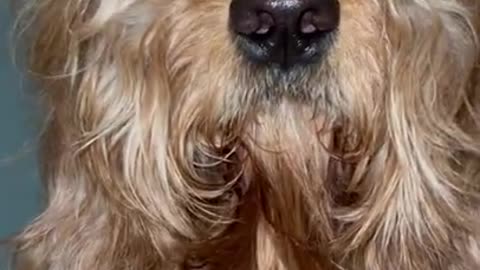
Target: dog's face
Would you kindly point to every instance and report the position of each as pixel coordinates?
(348, 126)
(249, 56)
(217, 43)
(282, 61)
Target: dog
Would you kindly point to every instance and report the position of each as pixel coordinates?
(256, 134)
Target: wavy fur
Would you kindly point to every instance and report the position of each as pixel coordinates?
(164, 149)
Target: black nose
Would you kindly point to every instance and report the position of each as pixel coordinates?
(283, 32)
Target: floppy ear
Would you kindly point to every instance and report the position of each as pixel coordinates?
(111, 203)
(418, 188)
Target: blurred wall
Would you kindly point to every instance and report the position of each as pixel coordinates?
(19, 186)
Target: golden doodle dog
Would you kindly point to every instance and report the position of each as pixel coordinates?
(256, 134)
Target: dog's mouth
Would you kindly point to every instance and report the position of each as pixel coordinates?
(276, 76)
(304, 83)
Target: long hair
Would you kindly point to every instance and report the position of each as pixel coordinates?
(165, 150)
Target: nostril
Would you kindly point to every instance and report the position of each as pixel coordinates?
(266, 23)
(253, 23)
(307, 24)
(313, 22)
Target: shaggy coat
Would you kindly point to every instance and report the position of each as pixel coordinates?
(165, 150)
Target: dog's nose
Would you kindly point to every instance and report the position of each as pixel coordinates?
(283, 32)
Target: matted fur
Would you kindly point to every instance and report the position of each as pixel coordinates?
(165, 149)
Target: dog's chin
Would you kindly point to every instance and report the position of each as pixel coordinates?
(300, 84)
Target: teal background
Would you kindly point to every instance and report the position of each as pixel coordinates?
(19, 185)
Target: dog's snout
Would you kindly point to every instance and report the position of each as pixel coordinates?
(283, 32)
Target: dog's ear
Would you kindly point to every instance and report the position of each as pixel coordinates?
(110, 200)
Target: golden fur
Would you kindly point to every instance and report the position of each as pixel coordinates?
(164, 149)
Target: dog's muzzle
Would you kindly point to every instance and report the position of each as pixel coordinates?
(284, 33)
